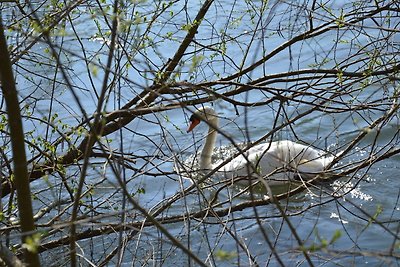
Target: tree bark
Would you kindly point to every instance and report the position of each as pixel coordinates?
(20, 180)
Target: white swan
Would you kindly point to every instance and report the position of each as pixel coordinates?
(281, 159)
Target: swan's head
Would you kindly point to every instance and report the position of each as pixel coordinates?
(206, 114)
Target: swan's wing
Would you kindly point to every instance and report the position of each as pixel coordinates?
(314, 166)
(293, 157)
(305, 159)
(267, 157)
(281, 157)
(262, 158)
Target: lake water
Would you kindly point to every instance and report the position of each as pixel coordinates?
(368, 192)
(157, 141)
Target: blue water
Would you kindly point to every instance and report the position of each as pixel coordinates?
(157, 141)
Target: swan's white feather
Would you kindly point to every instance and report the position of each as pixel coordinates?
(273, 159)
(285, 159)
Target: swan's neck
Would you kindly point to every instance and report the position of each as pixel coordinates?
(206, 153)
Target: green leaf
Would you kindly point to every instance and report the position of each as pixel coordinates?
(336, 236)
(32, 242)
(224, 255)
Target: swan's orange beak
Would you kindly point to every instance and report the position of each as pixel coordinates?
(193, 123)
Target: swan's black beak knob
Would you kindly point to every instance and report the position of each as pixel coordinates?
(193, 123)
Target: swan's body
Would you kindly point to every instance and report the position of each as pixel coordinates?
(284, 159)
